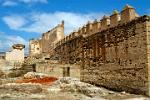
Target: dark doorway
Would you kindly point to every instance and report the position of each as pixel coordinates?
(34, 67)
(66, 72)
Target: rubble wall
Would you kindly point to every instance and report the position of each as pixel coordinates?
(123, 63)
(56, 70)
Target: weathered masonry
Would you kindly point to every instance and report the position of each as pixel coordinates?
(47, 41)
(113, 52)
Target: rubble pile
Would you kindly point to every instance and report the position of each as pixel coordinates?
(31, 75)
(74, 85)
(66, 88)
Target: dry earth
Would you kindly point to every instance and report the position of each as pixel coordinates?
(62, 89)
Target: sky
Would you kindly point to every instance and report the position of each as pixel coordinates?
(22, 20)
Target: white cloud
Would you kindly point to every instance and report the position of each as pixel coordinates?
(42, 22)
(14, 22)
(16, 2)
(33, 1)
(9, 3)
(6, 42)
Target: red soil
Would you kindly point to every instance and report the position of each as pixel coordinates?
(45, 80)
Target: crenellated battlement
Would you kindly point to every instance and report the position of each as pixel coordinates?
(89, 27)
(96, 26)
(112, 52)
(116, 57)
(114, 18)
(126, 15)
(55, 28)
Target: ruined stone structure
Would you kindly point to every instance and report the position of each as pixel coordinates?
(113, 52)
(17, 54)
(50, 38)
(35, 46)
(47, 43)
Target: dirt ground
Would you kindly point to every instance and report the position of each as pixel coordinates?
(62, 89)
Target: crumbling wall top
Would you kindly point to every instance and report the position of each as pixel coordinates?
(126, 15)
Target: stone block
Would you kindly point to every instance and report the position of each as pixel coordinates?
(105, 21)
(127, 14)
(114, 19)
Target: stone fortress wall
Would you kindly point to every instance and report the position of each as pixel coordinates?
(113, 52)
(51, 37)
(48, 40)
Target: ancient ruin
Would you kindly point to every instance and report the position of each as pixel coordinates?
(112, 52)
(46, 44)
(16, 55)
(105, 59)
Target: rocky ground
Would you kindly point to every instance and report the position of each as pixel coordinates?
(61, 89)
(39, 86)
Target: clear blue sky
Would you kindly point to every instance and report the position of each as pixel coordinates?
(22, 20)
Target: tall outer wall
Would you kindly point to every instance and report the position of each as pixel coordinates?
(148, 52)
(51, 37)
(124, 63)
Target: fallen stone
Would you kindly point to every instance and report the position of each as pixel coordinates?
(31, 75)
(68, 84)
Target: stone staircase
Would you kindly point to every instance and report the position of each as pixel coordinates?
(9, 70)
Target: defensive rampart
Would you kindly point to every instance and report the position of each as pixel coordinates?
(113, 52)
